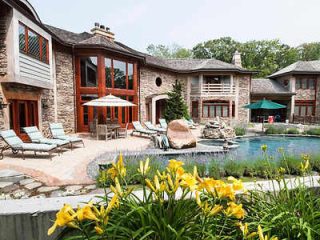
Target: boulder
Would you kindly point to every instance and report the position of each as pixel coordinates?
(215, 130)
(179, 135)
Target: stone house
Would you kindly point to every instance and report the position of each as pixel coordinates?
(47, 73)
(295, 86)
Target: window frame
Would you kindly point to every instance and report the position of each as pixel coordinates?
(43, 57)
(304, 104)
(308, 80)
(215, 104)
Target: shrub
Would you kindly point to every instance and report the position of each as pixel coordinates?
(271, 129)
(292, 131)
(214, 170)
(313, 131)
(240, 131)
(234, 168)
(292, 165)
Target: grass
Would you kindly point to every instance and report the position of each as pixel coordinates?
(240, 131)
(313, 131)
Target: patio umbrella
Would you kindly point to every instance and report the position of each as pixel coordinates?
(109, 101)
(264, 104)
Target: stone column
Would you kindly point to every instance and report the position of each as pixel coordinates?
(293, 89)
(153, 111)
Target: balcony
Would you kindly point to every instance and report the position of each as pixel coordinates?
(213, 89)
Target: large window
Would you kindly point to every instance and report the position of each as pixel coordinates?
(223, 79)
(214, 109)
(130, 76)
(305, 83)
(33, 44)
(89, 68)
(108, 66)
(304, 108)
(120, 72)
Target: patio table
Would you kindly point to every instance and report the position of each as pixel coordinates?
(114, 127)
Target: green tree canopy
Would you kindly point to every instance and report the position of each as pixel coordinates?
(265, 56)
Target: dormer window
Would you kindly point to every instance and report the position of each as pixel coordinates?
(33, 44)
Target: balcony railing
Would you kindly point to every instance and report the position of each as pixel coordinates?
(212, 89)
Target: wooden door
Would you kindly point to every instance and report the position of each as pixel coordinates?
(23, 113)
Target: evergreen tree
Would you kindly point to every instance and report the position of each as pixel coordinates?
(176, 107)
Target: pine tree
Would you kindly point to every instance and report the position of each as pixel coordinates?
(176, 107)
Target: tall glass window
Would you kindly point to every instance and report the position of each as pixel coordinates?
(89, 66)
(33, 44)
(119, 69)
(22, 38)
(130, 76)
(107, 62)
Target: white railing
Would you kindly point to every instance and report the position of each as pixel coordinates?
(210, 89)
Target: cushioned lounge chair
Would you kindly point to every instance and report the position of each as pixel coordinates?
(57, 132)
(163, 123)
(190, 123)
(151, 127)
(36, 137)
(16, 144)
(141, 130)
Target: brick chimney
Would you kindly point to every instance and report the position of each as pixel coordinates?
(236, 59)
(101, 30)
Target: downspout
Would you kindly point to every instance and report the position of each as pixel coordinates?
(74, 91)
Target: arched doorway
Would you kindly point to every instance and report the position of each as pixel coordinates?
(156, 105)
(160, 108)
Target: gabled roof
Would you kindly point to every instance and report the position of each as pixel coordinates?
(300, 67)
(89, 40)
(265, 86)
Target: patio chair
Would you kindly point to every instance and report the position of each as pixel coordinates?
(163, 123)
(16, 144)
(103, 130)
(151, 127)
(57, 132)
(36, 137)
(190, 123)
(123, 132)
(141, 130)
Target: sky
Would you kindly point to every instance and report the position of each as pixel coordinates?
(138, 23)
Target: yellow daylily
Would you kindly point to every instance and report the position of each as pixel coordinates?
(64, 217)
(262, 237)
(174, 165)
(235, 210)
(98, 230)
(211, 210)
(114, 202)
(236, 183)
(144, 167)
(112, 173)
(117, 188)
(189, 181)
(86, 213)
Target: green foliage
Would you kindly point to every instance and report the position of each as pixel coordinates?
(292, 131)
(234, 168)
(313, 131)
(240, 131)
(309, 51)
(214, 169)
(292, 164)
(272, 129)
(176, 107)
(173, 51)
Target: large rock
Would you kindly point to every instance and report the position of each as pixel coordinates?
(179, 135)
(218, 130)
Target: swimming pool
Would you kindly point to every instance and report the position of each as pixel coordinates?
(250, 148)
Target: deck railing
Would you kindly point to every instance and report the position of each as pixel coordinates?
(211, 89)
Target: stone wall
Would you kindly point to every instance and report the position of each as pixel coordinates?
(4, 13)
(65, 89)
(244, 97)
(318, 97)
(148, 86)
(47, 105)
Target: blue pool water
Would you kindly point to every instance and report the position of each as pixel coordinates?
(250, 148)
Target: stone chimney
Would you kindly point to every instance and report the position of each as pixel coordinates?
(101, 30)
(236, 59)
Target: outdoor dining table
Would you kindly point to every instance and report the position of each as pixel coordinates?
(114, 127)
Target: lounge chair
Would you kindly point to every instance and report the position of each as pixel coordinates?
(57, 132)
(141, 130)
(190, 123)
(16, 144)
(36, 137)
(151, 127)
(163, 123)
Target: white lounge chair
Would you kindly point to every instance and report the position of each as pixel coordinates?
(141, 130)
(57, 132)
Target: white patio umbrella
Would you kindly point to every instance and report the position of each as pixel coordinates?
(109, 101)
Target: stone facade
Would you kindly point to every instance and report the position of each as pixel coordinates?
(3, 33)
(318, 97)
(65, 90)
(148, 87)
(244, 97)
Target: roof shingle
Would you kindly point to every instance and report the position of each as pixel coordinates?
(268, 86)
(299, 67)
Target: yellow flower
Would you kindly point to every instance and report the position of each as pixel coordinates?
(245, 231)
(150, 185)
(189, 181)
(236, 184)
(179, 172)
(64, 217)
(112, 172)
(173, 165)
(198, 200)
(99, 230)
(86, 213)
(211, 210)
(117, 188)
(144, 168)
(235, 210)
(264, 147)
(120, 166)
(114, 202)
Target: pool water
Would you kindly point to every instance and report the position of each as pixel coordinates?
(250, 148)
